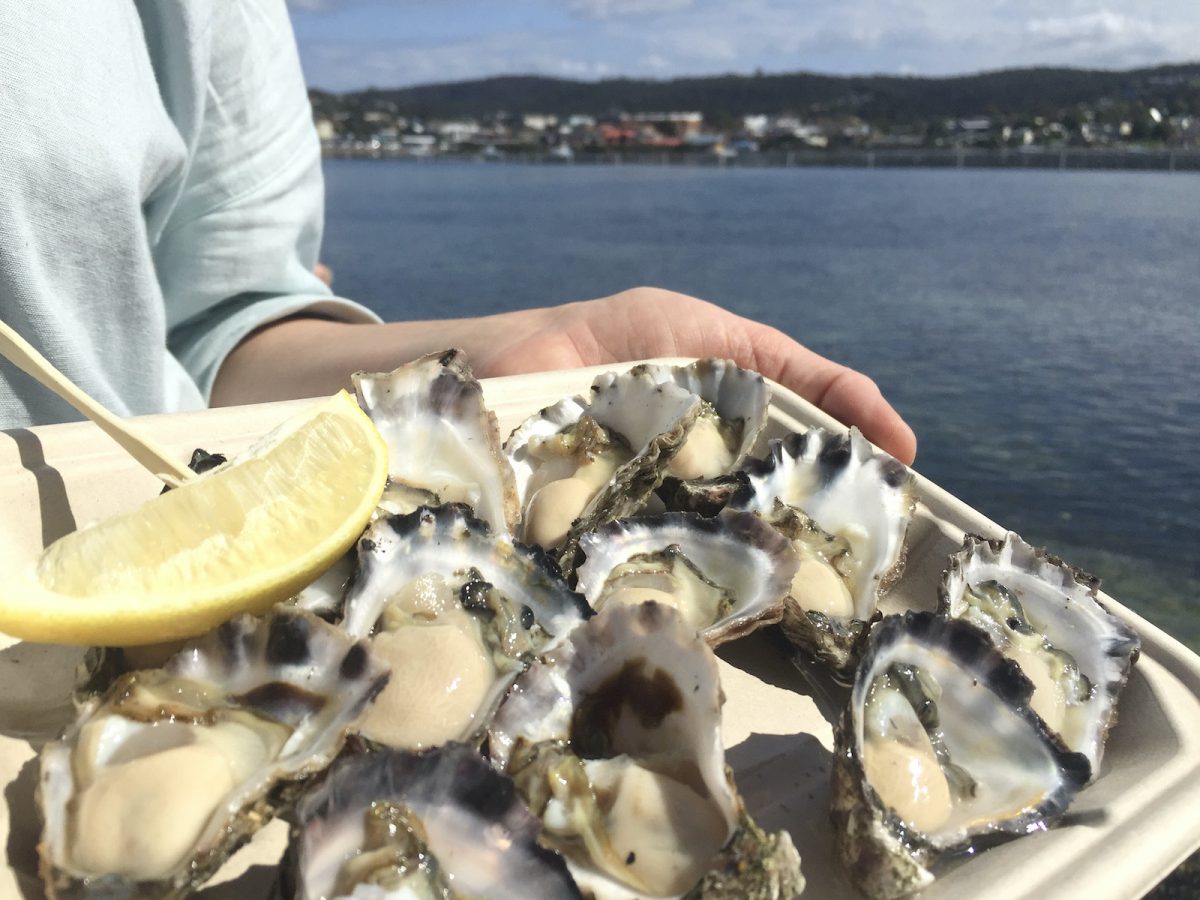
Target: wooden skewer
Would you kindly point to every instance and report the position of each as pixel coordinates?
(21, 354)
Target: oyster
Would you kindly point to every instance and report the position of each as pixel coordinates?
(582, 462)
(613, 739)
(731, 418)
(167, 773)
(443, 442)
(438, 824)
(726, 575)
(846, 507)
(457, 613)
(939, 745)
(1044, 615)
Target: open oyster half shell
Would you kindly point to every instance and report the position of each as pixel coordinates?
(613, 738)
(846, 506)
(726, 575)
(1044, 614)
(587, 460)
(457, 612)
(443, 443)
(938, 747)
(172, 769)
(395, 825)
(730, 421)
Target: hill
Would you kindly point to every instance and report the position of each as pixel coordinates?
(875, 98)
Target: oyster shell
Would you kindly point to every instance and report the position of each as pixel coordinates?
(443, 442)
(404, 825)
(582, 462)
(939, 745)
(613, 739)
(846, 507)
(732, 416)
(166, 774)
(1044, 614)
(726, 575)
(457, 613)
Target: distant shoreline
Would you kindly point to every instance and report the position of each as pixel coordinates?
(1067, 158)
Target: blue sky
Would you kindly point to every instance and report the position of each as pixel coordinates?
(350, 44)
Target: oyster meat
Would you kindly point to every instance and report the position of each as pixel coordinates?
(725, 575)
(939, 745)
(443, 443)
(613, 739)
(439, 824)
(166, 774)
(456, 612)
(1044, 614)
(846, 507)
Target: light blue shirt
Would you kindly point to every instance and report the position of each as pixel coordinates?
(160, 195)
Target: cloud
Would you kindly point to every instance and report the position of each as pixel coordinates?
(342, 65)
(1102, 25)
(1110, 39)
(612, 9)
(668, 38)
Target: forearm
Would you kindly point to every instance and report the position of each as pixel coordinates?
(310, 357)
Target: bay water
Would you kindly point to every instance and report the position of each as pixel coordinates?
(1040, 330)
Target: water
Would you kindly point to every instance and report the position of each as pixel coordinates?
(1039, 330)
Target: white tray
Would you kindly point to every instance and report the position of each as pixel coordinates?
(1123, 834)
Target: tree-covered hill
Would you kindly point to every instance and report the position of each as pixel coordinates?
(878, 98)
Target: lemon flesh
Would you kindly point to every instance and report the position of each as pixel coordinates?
(234, 540)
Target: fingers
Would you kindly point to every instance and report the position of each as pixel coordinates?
(849, 396)
(853, 398)
(649, 322)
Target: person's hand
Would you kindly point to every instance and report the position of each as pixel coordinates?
(307, 357)
(646, 322)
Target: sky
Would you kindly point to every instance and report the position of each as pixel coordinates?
(352, 44)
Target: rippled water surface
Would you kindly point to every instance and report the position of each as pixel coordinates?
(1039, 330)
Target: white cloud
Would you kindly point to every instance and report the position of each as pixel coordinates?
(665, 38)
(331, 64)
(1102, 25)
(1111, 39)
(612, 9)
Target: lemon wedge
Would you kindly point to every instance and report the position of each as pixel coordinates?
(237, 539)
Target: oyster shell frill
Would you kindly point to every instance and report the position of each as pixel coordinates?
(846, 506)
(443, 443)
(166, 774)
(725, 575)
(456, 612)
(1044, 614)
(443, 823)
(939, 746)
(613, 739)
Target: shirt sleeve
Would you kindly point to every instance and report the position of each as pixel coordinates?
(237, 249)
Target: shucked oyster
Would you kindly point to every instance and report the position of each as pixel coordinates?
(1044, 615)
(732, 415)
(613, 739)
(457, 613)
(443, 443)
(582, 462)
(938, 746)
(846, 507)
(726, 575)
(163, 777)
(406, 826)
